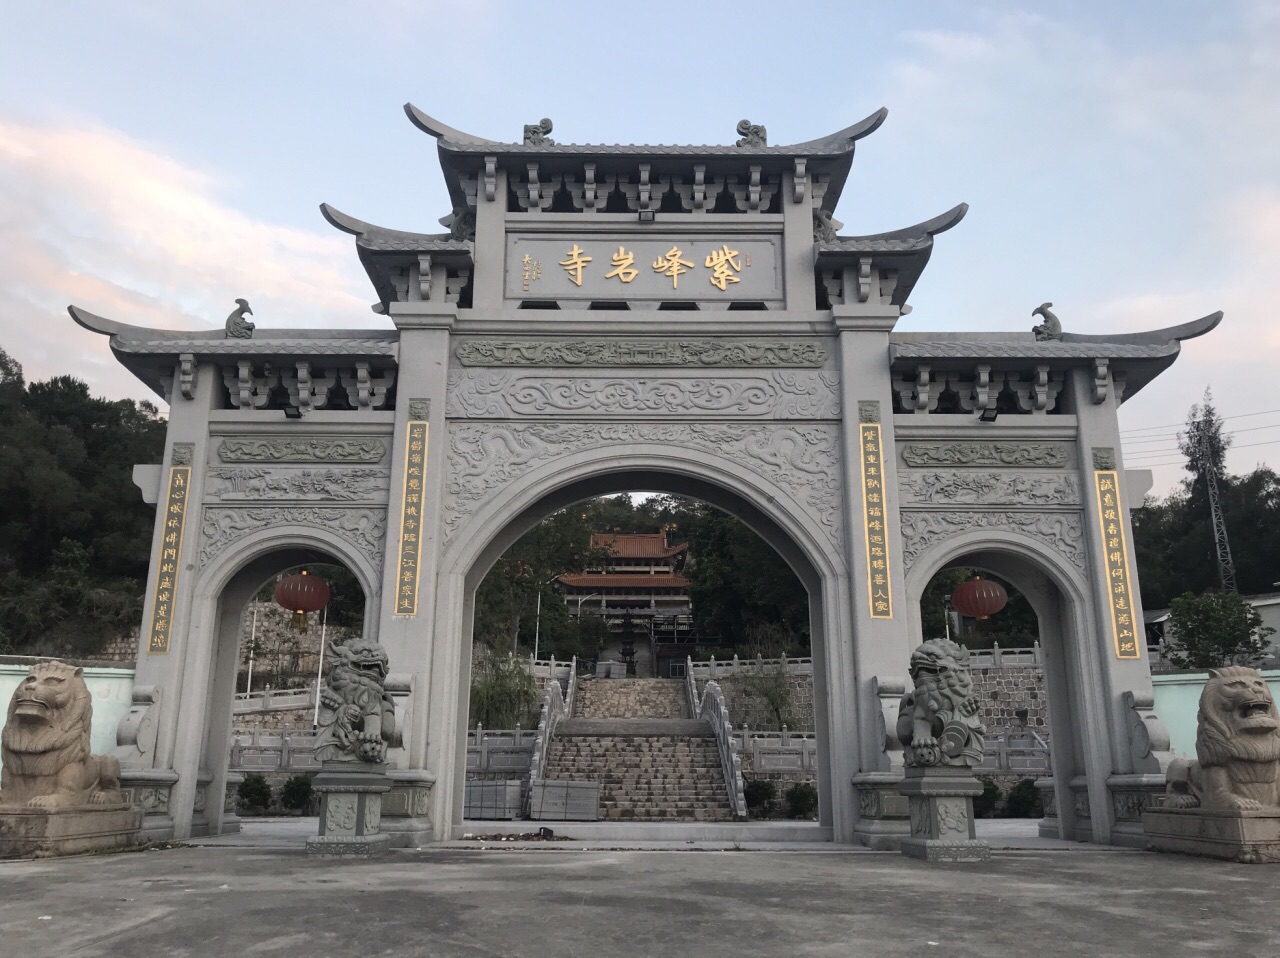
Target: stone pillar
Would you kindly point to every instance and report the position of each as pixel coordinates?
(941, 801)
(350, 810)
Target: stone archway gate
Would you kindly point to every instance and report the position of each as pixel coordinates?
(596, 314)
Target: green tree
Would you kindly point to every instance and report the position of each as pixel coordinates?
(1214, 629)
(503, 693)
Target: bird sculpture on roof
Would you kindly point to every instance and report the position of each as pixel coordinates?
(237, 326)
(1051, 328)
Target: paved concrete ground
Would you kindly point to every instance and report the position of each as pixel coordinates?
(572, 899)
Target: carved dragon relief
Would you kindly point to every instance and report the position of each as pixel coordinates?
(983, 488)
(1034, 454)
(314, 449)
(482, 394)
(492, 352)
(802, 459)
(1061, 531)
(364, 528)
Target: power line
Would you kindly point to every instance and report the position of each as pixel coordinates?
(1243, 415)
(1235, 432)
(1156, 454)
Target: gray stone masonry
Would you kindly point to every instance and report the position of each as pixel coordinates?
(634, 737)
(1007, 690)
(631, 699)
(646, 777)
(747, 707)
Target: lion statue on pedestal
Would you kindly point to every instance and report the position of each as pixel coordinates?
(938, 722)
(45, 744)
(357, 719)
(1237, 744)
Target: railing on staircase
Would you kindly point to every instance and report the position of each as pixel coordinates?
(712, 708)
(555, 707)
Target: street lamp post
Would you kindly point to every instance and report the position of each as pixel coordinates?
(537, 617)
(582, 598)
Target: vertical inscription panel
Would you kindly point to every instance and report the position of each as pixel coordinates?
(1115, 555)
(166, 585)
(879, 600)
(410, 554)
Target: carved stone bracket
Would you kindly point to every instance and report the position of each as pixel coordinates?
(136, 732)
(1101, 379)
(802, 460)
(187, 375)
(490, 178)
(611, 352)
(475, 394)
(799, 179)
(988, 488)
(364, 528)
(1061, 531)
(1039, 392)
(1149, 746)
(247, 390)
(1033, 454)
(889, 691)
(307, 391)
(366, 391)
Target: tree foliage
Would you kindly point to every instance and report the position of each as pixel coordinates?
(75, 535)
(1215, 629)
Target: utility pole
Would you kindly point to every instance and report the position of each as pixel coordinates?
(1206, 468)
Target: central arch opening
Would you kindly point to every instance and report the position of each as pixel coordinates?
(630, 680)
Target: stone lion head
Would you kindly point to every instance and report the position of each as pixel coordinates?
(1237, 720)
(940, 665)
(362, 655)
(51, 709)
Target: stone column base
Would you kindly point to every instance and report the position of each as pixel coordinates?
(941, 805)
(1131, 797)
(350, 810)
(149, 789)
(882, 813)
(47, 833)
(406, 810)
(230, 820)
(1248, 837)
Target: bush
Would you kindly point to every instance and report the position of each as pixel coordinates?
(254, 792)
(802, 800)
(984, 805)
(759, 795)
(503, 693)
(1024, 800)
(295, 794)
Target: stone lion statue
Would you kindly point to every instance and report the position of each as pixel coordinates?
(45, 744)
(938, 720)
(1237, 747)
(357, 716)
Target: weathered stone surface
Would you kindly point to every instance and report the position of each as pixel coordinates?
(941, 808)
(70, 830)
(1251, 837)
(350, 810)
(357, 718)
(938, 720)
(45, 744)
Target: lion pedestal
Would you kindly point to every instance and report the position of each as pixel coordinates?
(55, 797)
(942, 739)
(357, 722)
(350, 810)
(1226, 804)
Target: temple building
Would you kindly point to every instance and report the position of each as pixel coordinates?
(637, 575)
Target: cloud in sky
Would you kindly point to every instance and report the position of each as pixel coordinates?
(94, 218)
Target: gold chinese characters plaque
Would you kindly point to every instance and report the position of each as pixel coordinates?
(879, 599)
(410, 557)
(1115, 554)
(175, 520)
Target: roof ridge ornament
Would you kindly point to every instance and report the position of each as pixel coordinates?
(1051, 328)
(825, 226)
(753, 134)
(237, 326)
(537, 134)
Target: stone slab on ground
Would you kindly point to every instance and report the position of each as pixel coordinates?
(41, 833)
(1252, 837)
(200, 902)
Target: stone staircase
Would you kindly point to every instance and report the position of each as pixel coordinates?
(635, 738)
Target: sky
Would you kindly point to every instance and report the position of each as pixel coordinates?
(158, 160)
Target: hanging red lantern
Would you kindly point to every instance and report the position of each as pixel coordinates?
(300, 594)
(979, 598)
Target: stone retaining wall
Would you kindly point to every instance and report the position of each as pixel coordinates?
(1005, 692)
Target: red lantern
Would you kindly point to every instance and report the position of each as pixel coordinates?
(979, 598)
(301, 594)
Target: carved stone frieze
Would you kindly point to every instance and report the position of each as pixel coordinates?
(230, 483)
(610, 352)
(1060, 531)
(313, 449)
(983, 488)
(364, 528)
(477, 394)
(803, 460)
(1046, 455)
